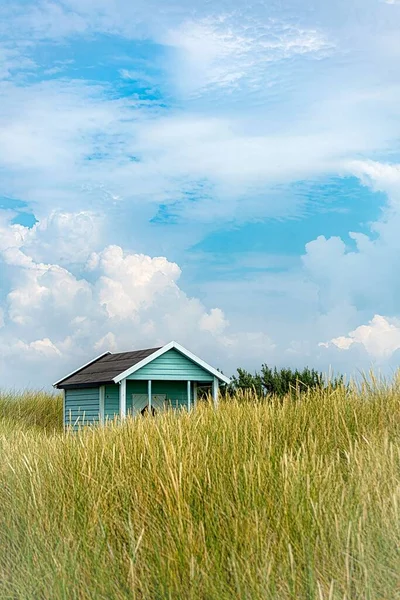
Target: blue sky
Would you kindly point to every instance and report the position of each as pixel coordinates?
(225, 174)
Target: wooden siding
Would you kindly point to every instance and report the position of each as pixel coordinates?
(81, 407)
(111, 401)
(176, 392)
(172, 366)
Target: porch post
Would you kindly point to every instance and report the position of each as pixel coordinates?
(122, 399)
(149, 395)
(188, 395)
(194, 394)
(64, 409)
(102, 395)
(215, 388)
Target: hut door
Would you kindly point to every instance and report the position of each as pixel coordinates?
(158, 402)
(140, 403)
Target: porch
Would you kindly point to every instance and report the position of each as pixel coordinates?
(134, 397)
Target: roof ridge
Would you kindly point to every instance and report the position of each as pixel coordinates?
(139, 350)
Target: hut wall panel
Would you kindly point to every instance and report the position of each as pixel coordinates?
(82, 406)
(172, 366)
(111, 401)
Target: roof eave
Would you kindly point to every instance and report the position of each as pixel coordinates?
(83, 384)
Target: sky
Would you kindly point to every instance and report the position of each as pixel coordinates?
(223, 174)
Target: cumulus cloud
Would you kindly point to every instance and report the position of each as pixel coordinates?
(130, 282)
(64, 237)
(361, 274)
(37, 349)
(121, 300)
(360, 277)
(239, 108)
(380, 338)
(214, 322)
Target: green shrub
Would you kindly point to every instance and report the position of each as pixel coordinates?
(281, 382)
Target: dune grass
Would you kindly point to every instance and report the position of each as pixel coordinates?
(296, 499)
(31, 410)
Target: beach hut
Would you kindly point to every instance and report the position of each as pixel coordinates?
(136, 382)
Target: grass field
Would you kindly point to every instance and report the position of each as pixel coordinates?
(294, 499)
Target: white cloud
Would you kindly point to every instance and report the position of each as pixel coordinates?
(380, 338)
(131, 282)
(38, 349)
(48, 297)
(13, 61)
(56, 319)
(214, 322)
(47, 125)
(108, 343)
(64, 237)
(225, 51)
(380, 176)
(246, 109)
(340, 285)
(46, 20)
(11, 235)
(362, 275)
(67, 144)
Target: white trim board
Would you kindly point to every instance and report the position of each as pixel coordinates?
(163, 350)
(80, 368)
(102, 397)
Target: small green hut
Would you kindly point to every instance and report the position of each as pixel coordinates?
(136, 382)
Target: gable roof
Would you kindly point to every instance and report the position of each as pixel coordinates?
(104, 368)
(163, 350)
(113, 368)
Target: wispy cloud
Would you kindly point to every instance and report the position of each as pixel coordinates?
(15, 61)
(227, 51)
(238, 105)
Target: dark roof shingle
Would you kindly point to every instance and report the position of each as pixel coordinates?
(105, 368)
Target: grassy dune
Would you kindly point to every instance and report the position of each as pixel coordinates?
(293, 499)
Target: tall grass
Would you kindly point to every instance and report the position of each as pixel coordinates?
(31, 409)
(293, 499)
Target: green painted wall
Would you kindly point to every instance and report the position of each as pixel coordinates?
(172, 365)
(111, 401)
(81, 407)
